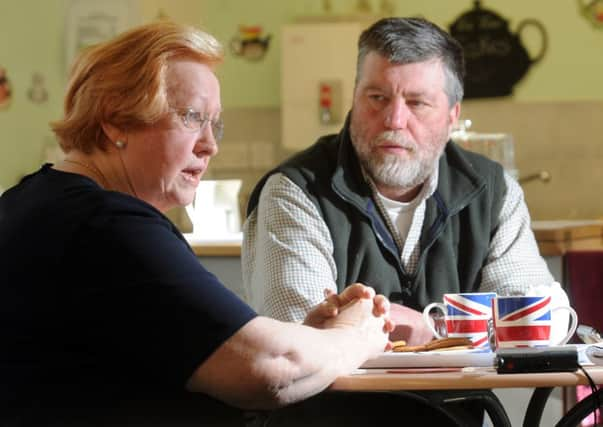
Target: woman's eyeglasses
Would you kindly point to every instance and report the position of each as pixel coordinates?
(195, 121)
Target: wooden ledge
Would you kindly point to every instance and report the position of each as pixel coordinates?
(557, 237)
(554, 238)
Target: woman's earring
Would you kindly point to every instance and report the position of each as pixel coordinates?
(120, 144)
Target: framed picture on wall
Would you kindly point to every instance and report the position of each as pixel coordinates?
(91, 21)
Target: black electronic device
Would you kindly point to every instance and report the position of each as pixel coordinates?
(536, 360)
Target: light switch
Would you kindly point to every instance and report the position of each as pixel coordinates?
(329, 102)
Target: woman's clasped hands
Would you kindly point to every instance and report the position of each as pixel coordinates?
(356, 306)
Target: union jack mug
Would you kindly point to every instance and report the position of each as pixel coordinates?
(525, 321)
(466, 315)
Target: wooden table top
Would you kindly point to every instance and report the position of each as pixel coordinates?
(458, 379)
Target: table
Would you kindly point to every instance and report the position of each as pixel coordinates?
(478, 378)
(459, 379)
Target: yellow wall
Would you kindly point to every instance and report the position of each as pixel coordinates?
(570, 70)
(33, 40)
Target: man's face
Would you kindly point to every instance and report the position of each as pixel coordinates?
(401, 122)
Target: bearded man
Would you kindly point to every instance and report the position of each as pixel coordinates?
(390, 201)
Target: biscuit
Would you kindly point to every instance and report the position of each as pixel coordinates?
(437, 344)
(400, 343)
(448, 342)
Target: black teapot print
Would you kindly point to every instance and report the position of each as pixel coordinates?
(495, 58)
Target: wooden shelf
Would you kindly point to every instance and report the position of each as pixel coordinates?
(554, 238)
(230, 249)
(557, 237)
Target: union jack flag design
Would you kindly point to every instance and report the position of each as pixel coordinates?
(467, 315)
(522, 321)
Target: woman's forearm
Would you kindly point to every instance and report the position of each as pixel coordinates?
(268, 363)
(313, 361)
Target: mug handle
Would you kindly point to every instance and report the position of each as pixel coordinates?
(429, 321)
(573, 324)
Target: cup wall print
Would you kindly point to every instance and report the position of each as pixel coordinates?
(467, 315)
(522, 321)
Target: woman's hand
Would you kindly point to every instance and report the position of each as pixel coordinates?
(333, 303)
(370, 329)
(357, 307)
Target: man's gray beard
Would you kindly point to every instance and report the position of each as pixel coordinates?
(394, 172)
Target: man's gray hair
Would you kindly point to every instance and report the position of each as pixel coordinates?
(411, 40)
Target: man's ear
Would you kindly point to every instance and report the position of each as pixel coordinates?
(453, 116)
(113, 133)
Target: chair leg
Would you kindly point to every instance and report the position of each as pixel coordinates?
(485, 398)
(494, 408)
(536, 406)
(581, 410)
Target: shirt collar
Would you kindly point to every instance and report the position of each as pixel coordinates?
(429, 187)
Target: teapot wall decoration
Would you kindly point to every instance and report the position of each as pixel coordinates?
(495, 58)
(5, 89)
(592, 10)
(249, 43)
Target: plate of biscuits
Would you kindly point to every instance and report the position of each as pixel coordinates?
(440, 353)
